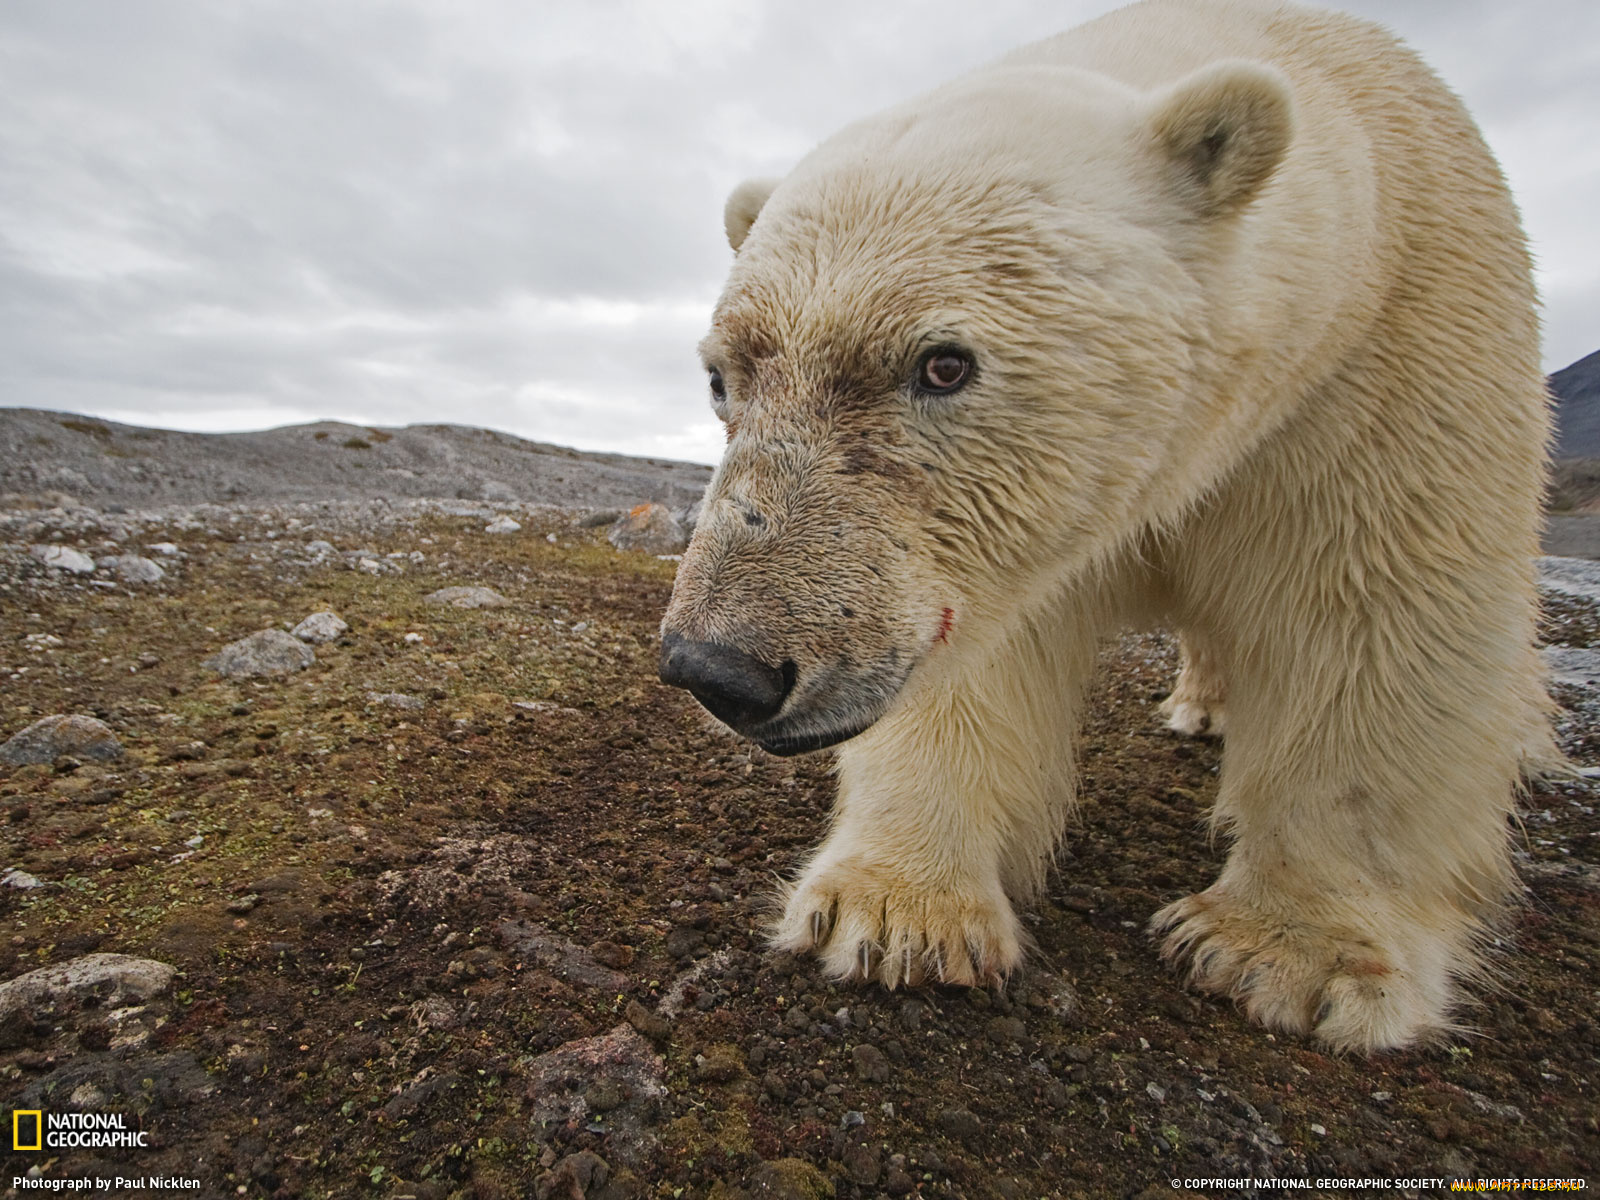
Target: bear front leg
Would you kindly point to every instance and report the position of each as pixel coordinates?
(948, 810)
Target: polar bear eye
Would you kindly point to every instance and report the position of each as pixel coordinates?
(943, 370)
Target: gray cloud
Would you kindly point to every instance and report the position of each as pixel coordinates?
(219, 216)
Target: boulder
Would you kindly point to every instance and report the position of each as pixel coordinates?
(64, 558)
(51, 737)
(134, 568)
(320, 627)
(114, 979)
(649, 529)
(468, 597)
(270, 652)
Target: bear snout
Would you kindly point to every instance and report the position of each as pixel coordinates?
(736, 688)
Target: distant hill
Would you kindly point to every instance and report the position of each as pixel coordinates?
(102, 463)
(1577, 392)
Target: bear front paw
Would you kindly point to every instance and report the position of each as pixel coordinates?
(867, 923)
(1351, 993)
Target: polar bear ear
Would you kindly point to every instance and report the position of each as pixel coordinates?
(743, 207)
(1226, 127)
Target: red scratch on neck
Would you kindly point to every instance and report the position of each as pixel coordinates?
(947, 622)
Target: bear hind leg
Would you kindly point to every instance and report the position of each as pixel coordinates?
(1196, 706)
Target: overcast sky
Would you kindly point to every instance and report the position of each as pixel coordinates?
(234, 215)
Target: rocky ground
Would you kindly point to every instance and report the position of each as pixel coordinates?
(465, 904)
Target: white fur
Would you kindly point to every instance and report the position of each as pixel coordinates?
(1258, 358)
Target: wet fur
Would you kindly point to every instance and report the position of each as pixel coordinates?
(1278, 388)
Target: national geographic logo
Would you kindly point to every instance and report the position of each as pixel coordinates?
(34, 1129)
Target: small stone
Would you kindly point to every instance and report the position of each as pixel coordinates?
(52, 737)
(576, 1175)
(609, 954)
(898, 1183)
(649, 528)
(270, 652)
(468, 597)
(604, 1095)
(862, 1165)
(166, 549)
(63, 558)
(684, 940)
(131, 568)
(1007, 1029)
(502, 524)
(320, 627)
(911, 1015)
(960, 1123)
(872, 1064)
(721, 1063)
(651, 1025)
(1156, 1092)
(243, 904)
(21, 880)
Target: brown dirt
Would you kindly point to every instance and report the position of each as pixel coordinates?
(395, 916)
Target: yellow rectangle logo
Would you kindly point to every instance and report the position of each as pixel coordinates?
(19, 1128)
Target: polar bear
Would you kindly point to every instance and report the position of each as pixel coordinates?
(1215, 313)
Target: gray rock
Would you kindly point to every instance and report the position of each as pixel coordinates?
(468, 597)
(50, 737)
(270, 652)
(576, 1175)
(502, 524)
(320, 627)
(165, 549)
(115, 979)
(689, 516)
(561, 958)
(872, 1064)
(960, 1123)
(650, 529)
(558, 1083)
(496, 492)
(395, 700)
(132, 568)
(64, 558)
(20, 880)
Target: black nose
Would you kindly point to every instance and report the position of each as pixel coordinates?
(739, 690)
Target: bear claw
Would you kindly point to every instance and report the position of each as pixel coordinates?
(868, 927)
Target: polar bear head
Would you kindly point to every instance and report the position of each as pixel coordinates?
(952, 358)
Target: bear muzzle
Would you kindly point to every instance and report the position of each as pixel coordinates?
(739, 690)
(749, 696)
